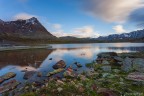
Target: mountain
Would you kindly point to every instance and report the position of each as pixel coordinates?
(132, 36)
(30, 29)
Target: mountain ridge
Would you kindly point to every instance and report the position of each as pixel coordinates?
(24, 29)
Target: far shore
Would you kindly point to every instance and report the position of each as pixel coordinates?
(9, 48)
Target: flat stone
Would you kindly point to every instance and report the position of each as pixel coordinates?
(59, 64)
(106, 68)
(117, 58)
(106, 92)
(136, 76)
(28, 74)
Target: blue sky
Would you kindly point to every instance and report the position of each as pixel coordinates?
(81, 18)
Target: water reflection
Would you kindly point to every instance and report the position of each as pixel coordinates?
(38, 60)
(23, 57)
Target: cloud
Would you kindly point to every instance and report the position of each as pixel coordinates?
(82, 32)
(57, 26)
(137, 16)
(85, 31)
(23, 16)
(119, 29)
(112, 10)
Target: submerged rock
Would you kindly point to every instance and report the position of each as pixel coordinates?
(78, 65)
(55, 72)
(59, 64)
(28, 74)
(39, 74)
(50, 58)
(7, 76)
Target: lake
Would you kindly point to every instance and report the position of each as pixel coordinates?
(38, 59)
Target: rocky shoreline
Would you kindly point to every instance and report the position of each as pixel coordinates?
(111, 74)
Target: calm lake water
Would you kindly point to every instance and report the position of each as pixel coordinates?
(38, 59)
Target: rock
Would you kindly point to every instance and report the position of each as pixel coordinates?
(105, 62)
(55, 72)
(107, 54)
(60, 64)
(81, 89)
(106, 92)
(9, 86)
(138, 64)
(68, 72)
(78, 65)
(50, 58)
(7, 76)
(39, 74)
(117, 58)
(116, 70)
(106, 68)
(59, 82)
(59, 89)
(28, 74)
(127, 64)
(136, 76)
(23, 70)
(105, 75)
(120, 63)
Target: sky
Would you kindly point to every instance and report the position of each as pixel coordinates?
(79, 18)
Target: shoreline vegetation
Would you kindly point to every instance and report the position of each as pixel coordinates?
(111, 74)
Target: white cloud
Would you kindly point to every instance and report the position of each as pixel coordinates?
(86, 31)
(57, 26)
(119, 29)
(83, 32)
(112, 10)
(23, 16)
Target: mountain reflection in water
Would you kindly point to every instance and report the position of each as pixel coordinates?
(38, 59)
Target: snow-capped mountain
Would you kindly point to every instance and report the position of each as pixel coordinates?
(125, 36)
(24, 29)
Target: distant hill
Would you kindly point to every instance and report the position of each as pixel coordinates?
(24, 30)
(132, 36)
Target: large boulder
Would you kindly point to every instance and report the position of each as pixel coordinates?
(133, 64)
(107, 54)
(59, 64)
(138, 64)
(118, 59)
(127, 64)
